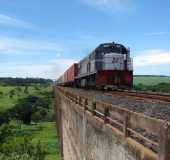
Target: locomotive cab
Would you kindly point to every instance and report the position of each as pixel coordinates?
(115, 66)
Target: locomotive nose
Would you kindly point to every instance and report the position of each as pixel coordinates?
(129, 80)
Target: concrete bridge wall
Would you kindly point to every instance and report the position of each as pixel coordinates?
(84, 136)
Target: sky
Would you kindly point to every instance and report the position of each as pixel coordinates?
(41, 38)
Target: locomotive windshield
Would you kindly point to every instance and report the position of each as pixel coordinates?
(112, 48)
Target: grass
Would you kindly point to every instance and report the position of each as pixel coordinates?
(5, 101)
(46, 133)
(151, 80)
(152, 83)
(48, 137)
(19, 92)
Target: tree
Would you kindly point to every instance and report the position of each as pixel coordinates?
(1, 94)
(36, 88)
(26, 90)
(24, 109)
(11, 93)
(4, 117)
(19, 89)
(40, 114)
(23, 112)
(27, 107)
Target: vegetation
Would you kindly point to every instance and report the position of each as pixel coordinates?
(9, 95)
(151, 80)
(24, 81)
(152, 83)
(27, 127)
(32, 142)
(29, 106)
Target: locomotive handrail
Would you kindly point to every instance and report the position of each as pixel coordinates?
(134, 125)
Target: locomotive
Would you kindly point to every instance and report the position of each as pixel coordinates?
(108, 66)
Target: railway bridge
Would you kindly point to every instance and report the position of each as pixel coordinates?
(92, 129)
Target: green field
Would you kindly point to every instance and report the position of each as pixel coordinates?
(19, 92)
(151, 80)
(152, 83)
(45, 132)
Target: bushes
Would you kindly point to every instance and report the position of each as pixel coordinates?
(4, 117)
(44, 115)
(161, 87)
(5, 132)
(13, 149)
(30, 108)
(22, 150)
(19, 141)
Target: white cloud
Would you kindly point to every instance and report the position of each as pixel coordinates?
(111, 5)
(58, 66)
(155, 62)
(152, 57)
(12, 21)
(10, 45)
(52, 69)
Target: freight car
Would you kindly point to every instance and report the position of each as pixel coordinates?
(68, 78)
(108, 66)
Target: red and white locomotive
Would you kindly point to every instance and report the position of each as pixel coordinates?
(108, 66)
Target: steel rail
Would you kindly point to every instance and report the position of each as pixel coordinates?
(141, 95)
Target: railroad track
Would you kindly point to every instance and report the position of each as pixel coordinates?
(141, 95)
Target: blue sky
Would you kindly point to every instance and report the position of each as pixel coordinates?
(40, 38)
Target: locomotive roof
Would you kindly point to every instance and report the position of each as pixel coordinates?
(103, 46)
(113, 44)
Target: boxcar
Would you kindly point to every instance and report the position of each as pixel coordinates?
(70, 74)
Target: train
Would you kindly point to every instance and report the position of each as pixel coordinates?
(108, 66)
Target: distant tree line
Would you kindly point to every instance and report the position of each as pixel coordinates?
(24, 81)
(151, 76)
(161, 87)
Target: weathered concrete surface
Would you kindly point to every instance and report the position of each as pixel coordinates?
(85, 135)
(85, 139)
